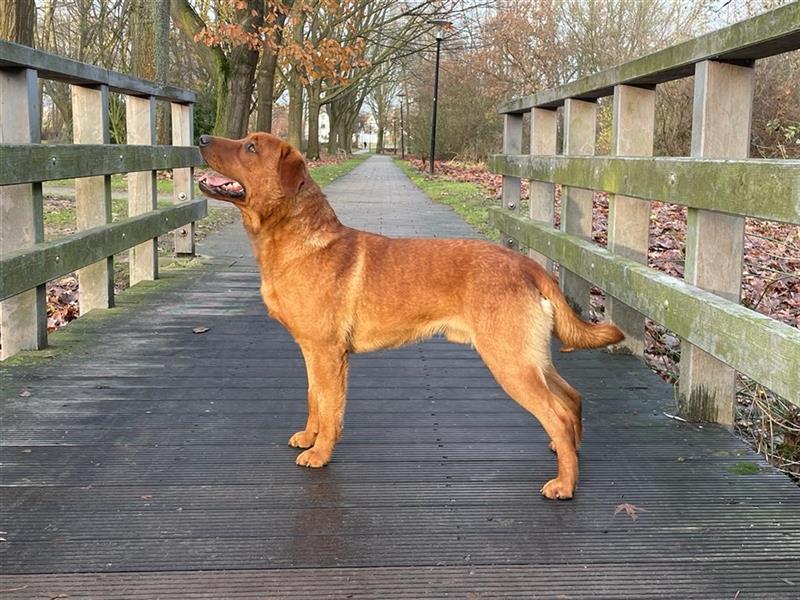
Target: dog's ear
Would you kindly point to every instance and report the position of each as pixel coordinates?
(292, 172)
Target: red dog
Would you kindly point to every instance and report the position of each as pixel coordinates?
(339, 290)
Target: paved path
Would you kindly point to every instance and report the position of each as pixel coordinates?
(151, 462)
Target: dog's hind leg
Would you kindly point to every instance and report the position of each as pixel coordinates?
(527, 385)
(518, 357)
(570, 398)
(327, 385)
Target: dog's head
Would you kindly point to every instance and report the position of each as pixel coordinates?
(256, 173)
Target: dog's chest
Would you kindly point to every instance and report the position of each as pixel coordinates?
(272, 301)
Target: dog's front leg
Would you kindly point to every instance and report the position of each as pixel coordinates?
(327, 390)
(306, 438)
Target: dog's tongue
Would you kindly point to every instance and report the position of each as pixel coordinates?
(216, 180)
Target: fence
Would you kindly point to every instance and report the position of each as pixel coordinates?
(718, 183)
(27, 262)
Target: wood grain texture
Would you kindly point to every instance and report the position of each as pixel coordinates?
(123, 478)
(723, 101)
(632, 132)
(23, 320)
(93, 194)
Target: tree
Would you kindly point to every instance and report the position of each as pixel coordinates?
(322, 49)
(17, 21)
(234, 71)
(381, 98)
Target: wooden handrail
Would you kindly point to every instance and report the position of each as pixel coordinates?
(764, 189)
(28, 163)
(58, 68)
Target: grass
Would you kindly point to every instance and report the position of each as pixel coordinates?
(118, 184)
(324, 174)
(60, 218)
(744, 468)
(469, 200)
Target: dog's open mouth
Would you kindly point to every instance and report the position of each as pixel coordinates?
(213, 183)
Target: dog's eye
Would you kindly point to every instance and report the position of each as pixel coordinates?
(251, 148)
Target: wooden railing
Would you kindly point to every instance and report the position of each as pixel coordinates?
(27, 262)
(719, 185)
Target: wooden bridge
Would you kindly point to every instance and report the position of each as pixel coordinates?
(142, 459)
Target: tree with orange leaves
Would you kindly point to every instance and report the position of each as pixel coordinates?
(325, 50)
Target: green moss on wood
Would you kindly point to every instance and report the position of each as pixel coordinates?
(765, 189)
(754, 344)
(744, 468)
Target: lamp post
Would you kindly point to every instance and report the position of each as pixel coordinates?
(438, 32)
(402, 95)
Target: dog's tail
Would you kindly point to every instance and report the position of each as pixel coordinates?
(573, 331)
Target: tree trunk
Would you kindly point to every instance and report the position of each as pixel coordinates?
(379, 148)
(266, 90)
(333, 126)
(142, 34)
(235, 75)
(268, 67)
(294, 86)
(233, 115)
(17, 21)
(314, 92)
(160, 10)
(295, 110)
(234, 111)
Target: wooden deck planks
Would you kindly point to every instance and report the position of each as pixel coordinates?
(151, 462)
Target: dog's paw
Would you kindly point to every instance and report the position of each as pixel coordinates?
(303, 439)
(314, 458)
(556, 489)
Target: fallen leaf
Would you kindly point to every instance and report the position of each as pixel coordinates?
(629, 509)
(199, 329)
(674, 417)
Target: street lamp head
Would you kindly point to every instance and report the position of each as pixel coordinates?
(440, 28)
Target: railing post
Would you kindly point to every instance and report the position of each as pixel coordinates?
(93, 194)
(632, 133)
(140, 119)
(580, 123)
(182, 179)
(723, 98)
(23, 318)
(512, 186)
(541, 207)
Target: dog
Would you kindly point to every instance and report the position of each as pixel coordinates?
(339, 290)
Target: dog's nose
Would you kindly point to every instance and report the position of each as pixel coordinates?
(205, 139)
